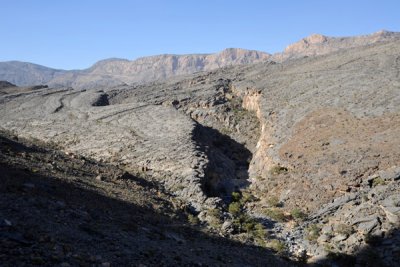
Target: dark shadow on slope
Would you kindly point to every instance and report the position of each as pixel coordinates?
(101, 101)
(227, 170)
(64, 216)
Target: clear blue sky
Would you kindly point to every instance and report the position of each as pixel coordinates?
(74, 34)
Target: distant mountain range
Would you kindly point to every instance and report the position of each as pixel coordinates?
(115, 71)
(122, 71)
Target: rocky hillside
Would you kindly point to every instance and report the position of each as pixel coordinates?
(60, 209)
(300, 157)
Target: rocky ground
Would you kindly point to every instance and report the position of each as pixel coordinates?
(300, 156)
(61, 209)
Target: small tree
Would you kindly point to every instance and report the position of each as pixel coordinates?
(235, 209)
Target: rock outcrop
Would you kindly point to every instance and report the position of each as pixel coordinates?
(143, 136)
(5, 84)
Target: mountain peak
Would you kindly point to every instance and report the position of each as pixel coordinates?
(318, 44)
(316, 38)
(384, 33)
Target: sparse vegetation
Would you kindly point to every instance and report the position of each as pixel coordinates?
(273, 202)
(239, 199)
(277, 245)
(193, 220)
(236, 196)
(249, 226)
(277, 169)
(243, 223)
(225, 131)
(247, 197)
(344, 229)
(275, 214)
(313, 231)
(378, 181)
(214, 218)
(298, 214)
(259, 231)
(329, 248)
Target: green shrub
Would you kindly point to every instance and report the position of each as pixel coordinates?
(378, 181)
(249, 226)
(278, 245)
(275, 214)
(214, 218)
(298, 214)
(236, 196)
(259, 231)
(247, 197)
(261, 242)
(214, 212)
(244, 223)
(235, 208)
(254, 230)
(193, 220)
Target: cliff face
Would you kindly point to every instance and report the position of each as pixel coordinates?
(328, 146)
(312, 109)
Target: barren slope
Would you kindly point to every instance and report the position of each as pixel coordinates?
(26, 74)
(60, 209)
(317, 134)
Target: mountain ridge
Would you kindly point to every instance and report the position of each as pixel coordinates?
(127, 71)
(117, 71)
(318, 44)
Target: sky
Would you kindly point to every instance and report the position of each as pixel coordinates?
(74, 34)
